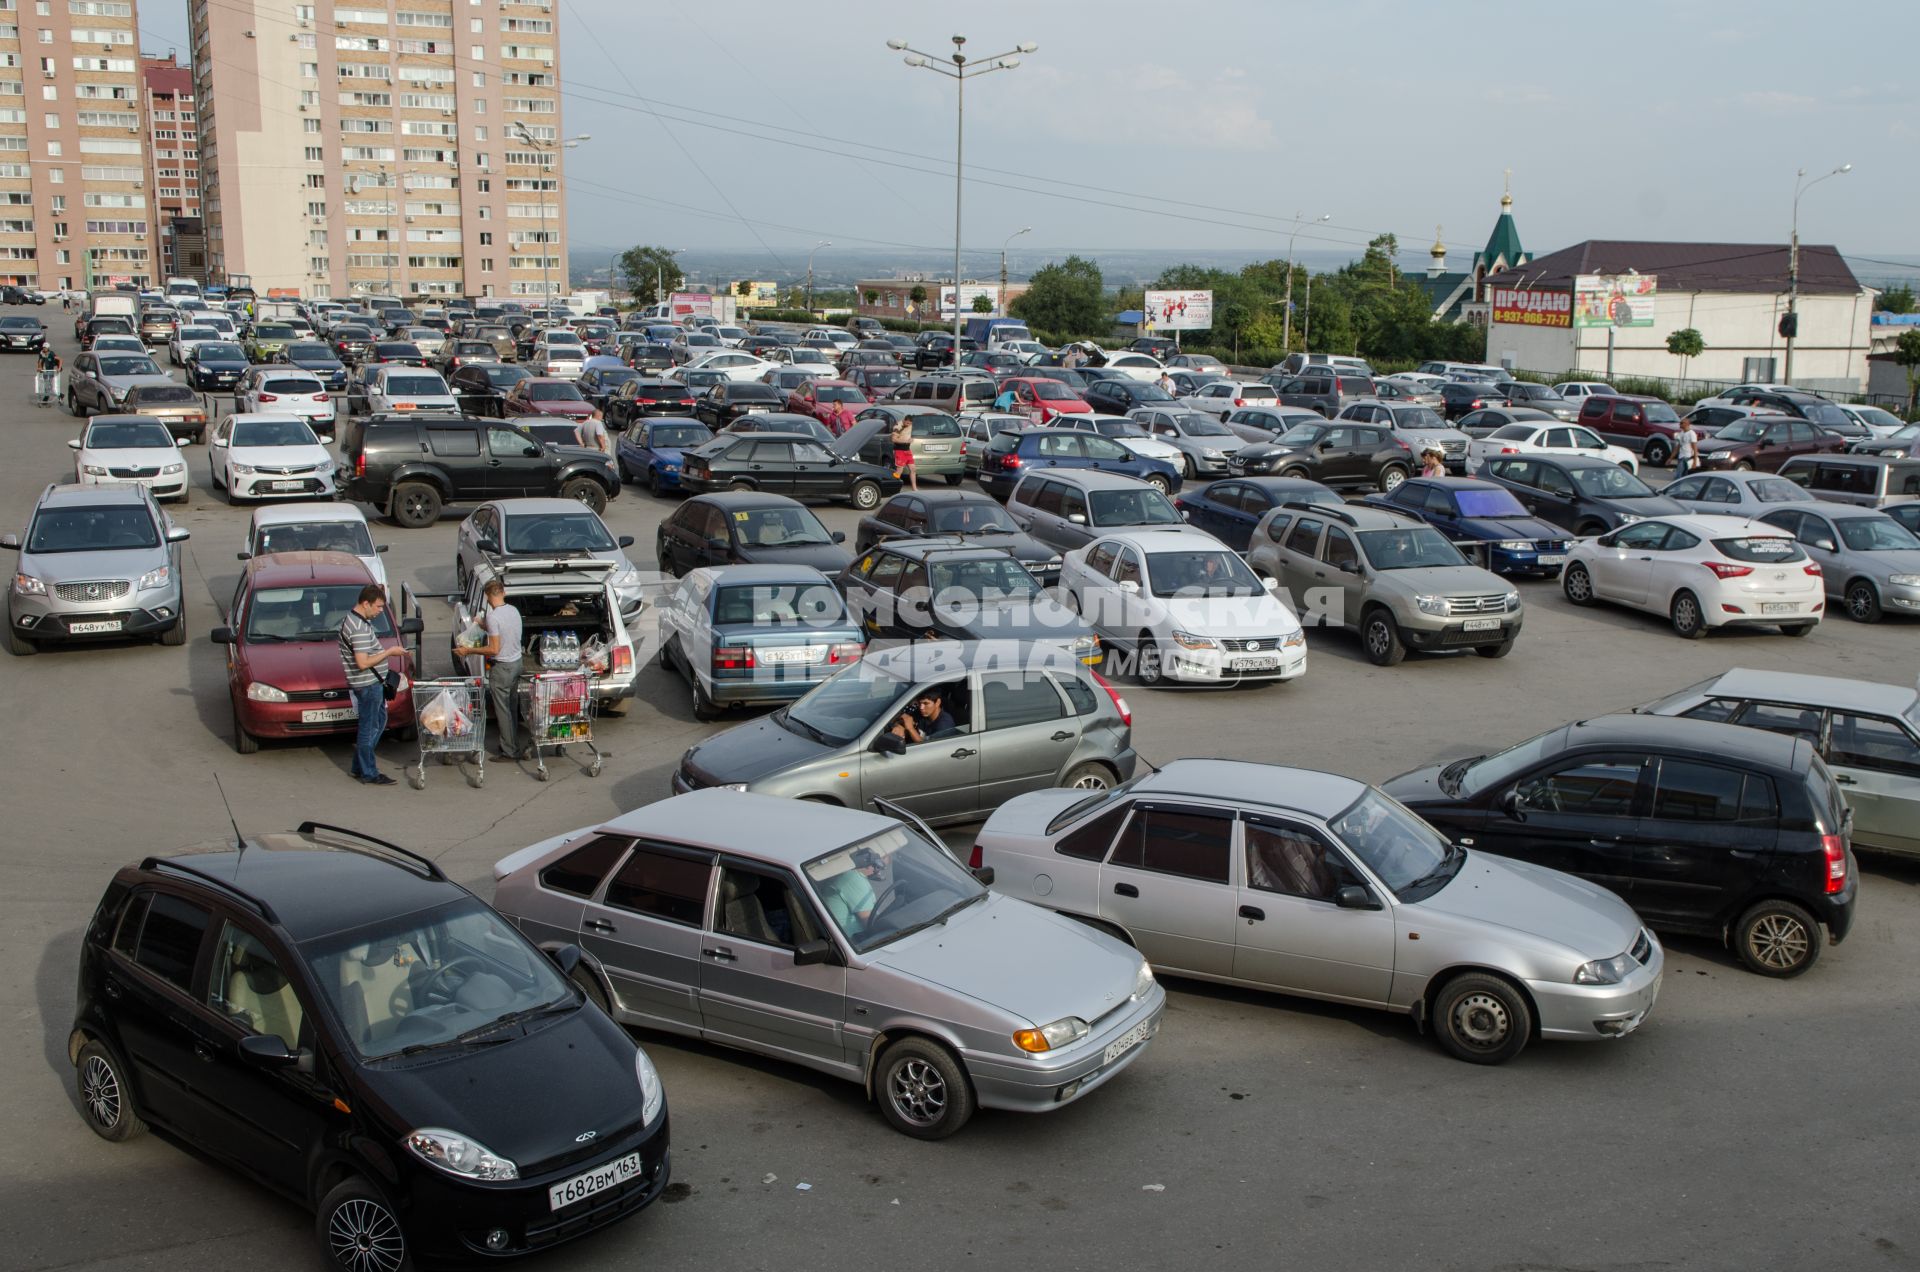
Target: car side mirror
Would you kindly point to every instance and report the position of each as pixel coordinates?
(566, 958)
(10, 541)
(1129, 587)
(1514, 805)
(224, 636)
(267, 1052)
(488, 545)
(1356, 896)
(534, 450)
(381, 547)
(1605, 540)
(888, 743)
(839, 536)
(625, 541)
(983, 875)
(811, 953)
(178, 534)
(73, 443)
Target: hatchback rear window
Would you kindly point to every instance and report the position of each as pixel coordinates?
(1769, 550)
(290, 386)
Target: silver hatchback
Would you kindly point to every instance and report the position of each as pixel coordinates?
(840, 940)
(97, 562)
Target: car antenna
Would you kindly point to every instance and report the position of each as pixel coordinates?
(239, 840)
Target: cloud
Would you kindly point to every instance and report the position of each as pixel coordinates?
(1517, 95)
(1220, 111)
(1775, 99)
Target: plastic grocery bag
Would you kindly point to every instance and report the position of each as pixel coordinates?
(597, 655)
(446, 716)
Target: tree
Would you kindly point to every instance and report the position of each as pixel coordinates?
(744, 287)
(983, 304)
(1067, 299)
(1906, 353)
(1686, 344)
(1896, 300)
(647, 270)
(918, 296)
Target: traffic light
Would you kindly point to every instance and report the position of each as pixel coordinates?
(1789, 325)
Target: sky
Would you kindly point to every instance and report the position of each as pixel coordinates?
(767, 127)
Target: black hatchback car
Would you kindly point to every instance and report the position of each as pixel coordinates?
(1702, 828)
(1335, 453)
(745, 527)
(334, 1018)
(1581, 493)
(724, 403)
(795, 464)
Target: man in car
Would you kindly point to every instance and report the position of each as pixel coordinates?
(926, 717)
(361, 654)
(848, 895)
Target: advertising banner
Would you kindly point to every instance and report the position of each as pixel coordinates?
(1614, 300)
(1179, 310)
(1531, 308)
(691, 305)
(967, 295)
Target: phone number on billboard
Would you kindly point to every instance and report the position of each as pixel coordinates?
(1530, 318)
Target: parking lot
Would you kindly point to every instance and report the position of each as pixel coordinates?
(1749, 1123)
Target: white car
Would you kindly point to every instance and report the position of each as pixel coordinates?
(104, 345)
(1220, 398)
(268, 456)
(1136, 366)
(1185, 605)
(1573, 390)
(1128, 432)
(1532, 438)
(220, 320)
(392, 388)
(1701, 572)
(558, 353)
(841, 337)
(732, 337)
(278, 389)
(187, 335)
(1881, 423)
(429, 340)
(314, 527)
(131, 450)
(736, 366)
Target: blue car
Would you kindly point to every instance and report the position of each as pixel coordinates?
(1229, 510)
(1011, 456)
(650, 451)
(1484, 520)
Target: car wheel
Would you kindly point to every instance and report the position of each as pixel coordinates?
(1863, 602)
(1187, 468)
(704, 707)
(243, 742)
(1391, 476)
(922, 1089)
(1381, 637)
(73, 405)
(415, 505)
(1147, 663)
(359, 1232)
(1777, 938)
(1591, 529)
(175, 636)
(1656, 454)
(106, 1101)
(1744, 465)
(1797, 629)
(653, 483)
(1577, 584)
(1090, 776)
(1501, 650)
(1159, 482)
(1299, 473)
(1482, 1019)
(587, 491)
(865, 495)
(1688, 622)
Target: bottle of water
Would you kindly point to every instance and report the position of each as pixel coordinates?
(573, 649)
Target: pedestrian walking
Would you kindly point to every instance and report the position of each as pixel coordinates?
(46, 376)
(1686, 449)
(903, 451)
(503, 648)
(1432, 463)
(361, 655)
(593, 433)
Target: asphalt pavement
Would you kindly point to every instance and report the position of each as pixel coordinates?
(1749, 1123)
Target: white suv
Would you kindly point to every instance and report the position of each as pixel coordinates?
(391, 387)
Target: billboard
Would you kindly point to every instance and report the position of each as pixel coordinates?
(1179, 310)
(967, 295)
(690, 305)
(1530, 308)
(1614, 300)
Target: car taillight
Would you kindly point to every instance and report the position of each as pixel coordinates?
(1727, 570)
(1813, 568)
(1009, 461)
(1119, 703)
(838, 654)
(360, 464)
(732, 658)
(269, 397)
(319, 397)
(1239, 401)
(976, 857)
(622, 658)
(1477, 404)
(1835, 848)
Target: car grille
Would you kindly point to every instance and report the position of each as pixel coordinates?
(105, 590)
(577, 1153)
(300, 471)
(1453, 448)
(134, 472)
(1455, 636)
(339, 697)
(1496, 604)
(1254, 645)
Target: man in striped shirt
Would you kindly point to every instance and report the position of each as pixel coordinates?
(361, 655)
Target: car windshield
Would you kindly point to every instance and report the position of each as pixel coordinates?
(553, 393)
(459, 975)
(1053, 391)
(1144, 507)
(1609, 482)
(840, 709)
(1149, 393)
(162, 395)
(682, 436)
(198, 333)
(309, 612)
(837, 393)
(307, 351)
(273, 433)
(1413, 548)
(778, 527)
(1402, 851)
(128, 366)
(1416, 417)
(503, 377)
(20, 324)
(1488, 503)
(993, 577)
(1827, 415)
(1201, 573)
(1661, 413)
(545, 532)
(1302, 435)
(1876, 534)
(292, 388)
(219, 351)
(614, 377)
(92, 529)
(1740, 431)
(273, 331)
(1483, 772)
(347, 331)
(882, 888)
(127, 435)
(317, 536)
(972, 518)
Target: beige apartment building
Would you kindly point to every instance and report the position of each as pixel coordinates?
(74, 208)
(374, 147)
(173, 166)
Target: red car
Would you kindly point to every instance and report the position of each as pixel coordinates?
(1041, 399)
(542, 396)
(284, 677)
(818, 398)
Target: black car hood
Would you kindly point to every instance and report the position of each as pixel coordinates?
(1421, 786)
(504, 1095)
(828, 558)
(750, 751)
(222, 364)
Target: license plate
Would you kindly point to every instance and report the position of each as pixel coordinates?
(285, 485)
(95, 628)
(1254, 664)
(1480, 624)
(597, 1180)
(1552, 558)
(935, 448)
(1127, 1042)
(327, 715)
(803, 654)
(1779, 607)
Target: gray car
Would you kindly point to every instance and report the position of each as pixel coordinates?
(1735, 493)
(1421, 427)
(1203, 441)
(760, 634)
(100, 381)
(1067, 509)
(1869, 561)
(840, 940)
(1314, 884)
(506, 528)
(1011, 717)
(96, 562)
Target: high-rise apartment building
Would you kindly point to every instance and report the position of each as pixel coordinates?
(173, 166)
(375, 146)
(74, 207)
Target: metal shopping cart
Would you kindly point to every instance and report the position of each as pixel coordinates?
(450, 717)
(560, 715)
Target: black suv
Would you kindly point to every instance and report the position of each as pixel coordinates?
(1463, 397)
(724, 403)
(796, 464)
(1334, 453)
(935, 349)
(1581, 493)
(1703, 828)
(334, 1018)
(411, 466)
(1119, 397)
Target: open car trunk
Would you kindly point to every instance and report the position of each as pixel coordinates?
(556, 595)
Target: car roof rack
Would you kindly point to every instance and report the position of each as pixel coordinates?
(226, 886)
(426, 865)
(1325, 510)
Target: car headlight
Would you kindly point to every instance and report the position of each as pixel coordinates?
(155, 578)
(1084, 646)
(93, 470)
(458, 1155)
(1513, 601)
(1606, 971)
(1297, 640)
(1047, 1037)
(1193, 640)
(1628, 518)
(1143, 980)
(652, 1094)
(170, 469)
(1514, 545)
(27, 585)
(1904, 580)
(242, 470)
(1431, 604)
(259, 692)
(1208, 452)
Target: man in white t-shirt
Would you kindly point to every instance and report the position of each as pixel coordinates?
(502, 649)
(1686, 449)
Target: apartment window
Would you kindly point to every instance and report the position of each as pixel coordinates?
(46, 36)
(486, 213)
(427, 74)
(479, 79)
(365, 70)
(306, 40)
(360, 43)
(59, 202)
(423, 101)
(315, 154)
(316, 238)
(311, 70)
(480, 133)
(50, 120)
(486, 264)
(316, 181)
(49, 92)
(97, 200)
(480, 106)
(159, 134)
(313, 125)
(414, 18)
(358, 125)
(304, 12)
(316, 209)
(319, 264)
(309, 97)
(476, 26)
(483, 185)
(486, 238)
(477, 52)
(112, 119)
(529, 26)
(53, 148)
(423, 46)
(378, 17)
(108, 146)
(93, 8)
(92, 172)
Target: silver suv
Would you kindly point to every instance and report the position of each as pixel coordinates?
(1396, 581)
(96, 562)
(1421, 427)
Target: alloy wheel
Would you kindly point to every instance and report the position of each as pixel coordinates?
(1579, 586)
(365, 1237)
(1779, 941)
(100, 1088)
(918, 1092)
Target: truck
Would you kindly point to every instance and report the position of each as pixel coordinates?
(115, 304)
(990, 333)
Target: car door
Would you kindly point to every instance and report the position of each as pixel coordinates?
(1168, 884)
(1242, 515)
(1340, 567)
(1207, 509)
(1817, 536)
(1705, 843)
(1553, 497)
(1624, 571)
(752, 994)
(814, 473)
(644, 927)
(516, 465)
(937, 778)
(1580, 814)
(713, 542)
(769, 465)
(1073, 526)
(1343, 452)
(150, 980)
(1027, 738)
(1089, 586)
(1876, 762)
(1291, 934)
(1299, 559)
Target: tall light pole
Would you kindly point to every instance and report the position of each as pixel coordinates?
(660, 279)
(546, 244)
(1003, 270)
(960, 72)
(1286, 321)
(816, 247)
(354, 186)
(1791, 322)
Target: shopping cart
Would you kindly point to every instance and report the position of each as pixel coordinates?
(450, 717)
(560, 715)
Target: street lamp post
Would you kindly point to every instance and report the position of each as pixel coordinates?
(961, 71)
(1800, 186)
(546, 244)
(1003, 270)
(660, 279)
(816, 247)
(1286, 320)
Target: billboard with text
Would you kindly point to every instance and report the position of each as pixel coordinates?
(1614, 300)
(1530, 307)
(1179, 310)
